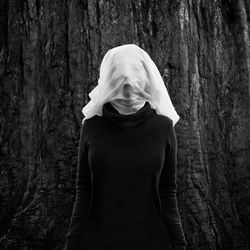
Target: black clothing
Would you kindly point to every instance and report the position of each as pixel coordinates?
(126, 184)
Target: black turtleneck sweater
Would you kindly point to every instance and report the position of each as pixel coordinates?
(126, 184)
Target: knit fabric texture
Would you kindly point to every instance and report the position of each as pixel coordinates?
(126, 184)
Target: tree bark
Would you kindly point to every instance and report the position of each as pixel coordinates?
(50, 54)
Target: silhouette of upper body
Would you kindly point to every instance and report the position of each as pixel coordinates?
(126, 183)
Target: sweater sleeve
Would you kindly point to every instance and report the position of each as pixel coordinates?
(168, 191)
(83, 195)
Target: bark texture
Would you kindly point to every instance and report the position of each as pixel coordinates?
(50, 53)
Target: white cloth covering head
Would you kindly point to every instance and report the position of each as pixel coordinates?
(129, 64)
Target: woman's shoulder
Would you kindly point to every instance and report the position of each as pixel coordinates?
(90, 121)
(88, 127)
(163, 120)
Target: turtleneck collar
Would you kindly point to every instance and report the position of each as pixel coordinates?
(130, 120)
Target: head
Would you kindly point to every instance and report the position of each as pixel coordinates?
(127, 76)
(123, 69)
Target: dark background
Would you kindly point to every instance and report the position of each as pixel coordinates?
(50, 53)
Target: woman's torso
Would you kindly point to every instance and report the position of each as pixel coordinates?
(125, 165)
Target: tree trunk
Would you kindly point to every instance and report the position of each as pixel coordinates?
(50, 54)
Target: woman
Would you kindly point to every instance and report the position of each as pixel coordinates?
(127, 159)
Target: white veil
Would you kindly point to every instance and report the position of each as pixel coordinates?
(110, 82)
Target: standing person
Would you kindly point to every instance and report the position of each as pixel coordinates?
(127, 160)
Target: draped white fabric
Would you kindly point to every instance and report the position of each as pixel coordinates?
(129, 66)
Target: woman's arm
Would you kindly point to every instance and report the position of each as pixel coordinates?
(83, 195)
(168, 191)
